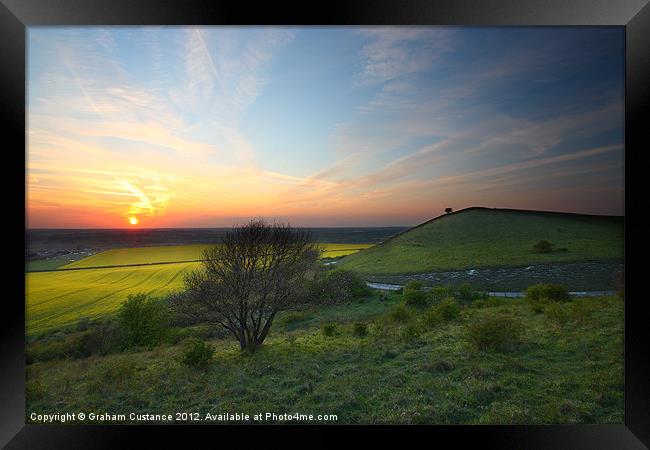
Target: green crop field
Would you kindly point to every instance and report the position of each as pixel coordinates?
(480, 237)
(149, 255)
(60, 298)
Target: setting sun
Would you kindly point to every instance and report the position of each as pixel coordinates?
(133, 220)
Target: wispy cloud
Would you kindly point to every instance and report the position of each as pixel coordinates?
(188, 125)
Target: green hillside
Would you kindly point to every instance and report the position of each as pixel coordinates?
(482, 237)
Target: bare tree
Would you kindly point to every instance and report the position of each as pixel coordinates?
(257, 271)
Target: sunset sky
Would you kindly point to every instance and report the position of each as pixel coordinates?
(210, 126)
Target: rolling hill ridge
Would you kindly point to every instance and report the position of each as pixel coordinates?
(485, 237)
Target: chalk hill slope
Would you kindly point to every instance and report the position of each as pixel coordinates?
(483, 237)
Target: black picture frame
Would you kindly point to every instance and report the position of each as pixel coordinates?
(634, 15)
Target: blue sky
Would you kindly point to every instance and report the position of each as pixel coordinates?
(320, 126)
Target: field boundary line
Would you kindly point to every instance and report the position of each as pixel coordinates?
(115, 266)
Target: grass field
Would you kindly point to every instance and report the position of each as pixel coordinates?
(562, 372)
(148, 255)
(60, 299)
(480, 237)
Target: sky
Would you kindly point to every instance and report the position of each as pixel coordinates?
(319, 126)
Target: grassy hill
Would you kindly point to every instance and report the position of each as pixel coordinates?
(398, 373)
(482, 237)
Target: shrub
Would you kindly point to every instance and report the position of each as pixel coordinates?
(118, 371)
(545, 293)
(496, 332)
(337, 286)
(465, 294)
(439, 293)
(410, 333)
(414, 298)
(83, 324)
(49, 349)
(351, 283)
(142, 320)
(413, 285)
(328, 329)
(543, 246)
(446, 310)
(198, 354)
(399, 313)
(580, 310)
(489, 302)
(103, 339)
(556, 313)
(537, 307)
(360, 329)
(380, 327)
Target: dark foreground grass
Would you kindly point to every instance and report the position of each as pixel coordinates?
(568, 368)
(483, 238)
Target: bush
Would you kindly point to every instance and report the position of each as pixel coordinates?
(399, 313)
(380, 327)
(351, 283)
(410, 333)
(543, 246)
(546, 293)
(448, 309)
(103, 339)
(328, 329)
(198, 354)
(47, 350)
(537, 307)
(83, 324)
(337, 286)
(360, 329)
(142, 320)
(413, 285)
(439, 293)
(412, 294)
(556, 313)
(496, 332)
(582, 309)
(444, 311)
(465, 294)
(490, 302)
(414, 298)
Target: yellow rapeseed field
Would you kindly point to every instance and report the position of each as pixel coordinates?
(59, 299)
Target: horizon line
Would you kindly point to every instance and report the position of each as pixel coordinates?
(357, 226)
